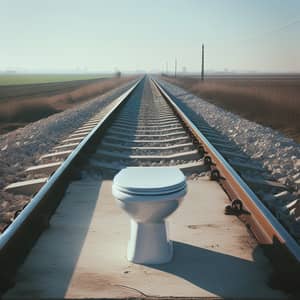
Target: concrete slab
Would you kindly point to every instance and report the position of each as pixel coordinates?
(220, 140)
(92, 122)
(44, 169)
(83, 253)
(121, 146)
(190, 167)
(60, 154)
(179, 132)
(264, 184)
(246, 166)
(79, 134)
(152, 121)
(72, 140)
(123, 129)
(86, 127)
(96, 119)
(233, 154)
(148, 124)
(26, 187)
(210, 134)
(71, 146)
(224, 146)
(117, 123)
(173, 140)
(189, 155)
(83, 130)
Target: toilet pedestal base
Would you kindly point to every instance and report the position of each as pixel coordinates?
(149, 244)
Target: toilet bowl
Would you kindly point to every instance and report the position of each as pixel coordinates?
(149, 195)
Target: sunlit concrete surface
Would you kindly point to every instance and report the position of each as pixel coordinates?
(83, 253)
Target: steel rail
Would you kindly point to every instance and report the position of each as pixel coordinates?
(266, 228)
(20, 235)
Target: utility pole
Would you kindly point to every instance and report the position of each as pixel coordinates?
(175, 73)
(167, 69)
(202, 66)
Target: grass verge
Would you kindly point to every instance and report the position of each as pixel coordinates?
(18, 112)
(273, 102)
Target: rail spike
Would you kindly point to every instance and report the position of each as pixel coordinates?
(215, 175)
(208, 161)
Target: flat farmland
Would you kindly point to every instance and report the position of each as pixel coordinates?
(271, 100)
(16, 79)
(24, 103)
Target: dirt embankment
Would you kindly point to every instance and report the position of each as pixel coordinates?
(22, 104)
(272, 101)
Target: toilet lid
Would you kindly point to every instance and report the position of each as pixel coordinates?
(149, 180)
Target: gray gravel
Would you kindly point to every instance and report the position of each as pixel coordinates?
(280, 154)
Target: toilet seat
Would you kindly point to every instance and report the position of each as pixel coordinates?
(130, 185)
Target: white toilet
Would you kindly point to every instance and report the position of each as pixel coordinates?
(149, 195)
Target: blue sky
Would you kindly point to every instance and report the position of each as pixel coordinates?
(98, 35)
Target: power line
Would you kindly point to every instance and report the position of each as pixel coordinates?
(272, 31)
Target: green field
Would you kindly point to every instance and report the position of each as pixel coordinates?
(14, 79)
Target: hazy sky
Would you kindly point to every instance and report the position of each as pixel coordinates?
(261, 35)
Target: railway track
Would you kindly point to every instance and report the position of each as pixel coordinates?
(148, 129)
